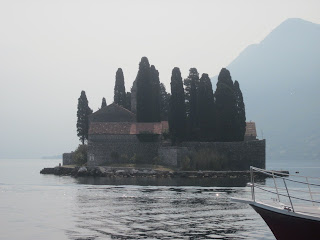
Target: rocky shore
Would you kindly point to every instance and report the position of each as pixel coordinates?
(145, 172)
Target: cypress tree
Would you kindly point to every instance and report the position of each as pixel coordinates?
(164, 103)
(155, 94)
(128, 101)
(83, 117)
(119, 89)
(104, 103)
(191, 84)
(241, 113)
(144, 92)
(225, 103)
(133, 101)
(177, 115)
(206, 109)
(193, 119)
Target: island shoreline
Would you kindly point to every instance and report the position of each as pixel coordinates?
(104, 171)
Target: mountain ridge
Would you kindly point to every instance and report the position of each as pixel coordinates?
(279, 78)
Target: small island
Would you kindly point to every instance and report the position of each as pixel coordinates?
(192, 132)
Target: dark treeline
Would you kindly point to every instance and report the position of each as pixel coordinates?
(195, 112)
(203, 114)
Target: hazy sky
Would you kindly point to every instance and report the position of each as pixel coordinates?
(51, 50)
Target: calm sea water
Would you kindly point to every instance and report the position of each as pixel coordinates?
(35, 206)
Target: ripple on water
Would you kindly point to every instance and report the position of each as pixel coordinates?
(136, 212)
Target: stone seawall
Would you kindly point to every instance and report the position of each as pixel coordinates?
(231, 155)
(238, 155)
(108, 149)
(171, 156)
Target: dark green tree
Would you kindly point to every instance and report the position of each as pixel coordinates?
(144, 92)
(191, 84)
(164, 103)
(155, 94)
(83, 117)
(119, 89)
(80, 155)
(225, 103)
(177, 114)
(128, 101)
(206, 109)
(104, 103)
(241, 113)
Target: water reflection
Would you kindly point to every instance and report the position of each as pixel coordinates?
(158, 212)
(142, 181)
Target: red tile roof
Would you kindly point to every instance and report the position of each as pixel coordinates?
(111, 128)
(127, 128)
(132, 128)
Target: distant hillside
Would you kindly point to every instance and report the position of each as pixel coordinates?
(280, 81)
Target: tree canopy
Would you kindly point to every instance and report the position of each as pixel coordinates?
(128, 101)
(191, 84)
(206, 109)
(119, 89)
(240, 113)
(177, 115)
(164, 103)
(155, 94)
(144, 92)
(83, 117)
(195, 112)
(148, 92)
(225, 107)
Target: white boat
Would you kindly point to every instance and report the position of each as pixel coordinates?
(289, 204)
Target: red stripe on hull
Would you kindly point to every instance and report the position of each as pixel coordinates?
(285, 227)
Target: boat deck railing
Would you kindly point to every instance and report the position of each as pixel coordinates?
(294, 190)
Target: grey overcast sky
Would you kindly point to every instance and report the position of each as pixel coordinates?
(51, 50)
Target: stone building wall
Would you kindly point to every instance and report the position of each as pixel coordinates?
(240, 155)
(67, 159)
(250, 138)
(107, 149)
(171, 156)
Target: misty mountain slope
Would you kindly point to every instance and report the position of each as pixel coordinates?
(280, 81)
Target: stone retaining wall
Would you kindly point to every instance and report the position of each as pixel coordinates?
(240, 155)
(67, 159)
(106, 149)
(171, 156)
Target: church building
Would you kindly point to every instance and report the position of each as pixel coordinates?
(115, 137)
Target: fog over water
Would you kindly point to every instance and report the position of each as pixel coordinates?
(51, 50)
